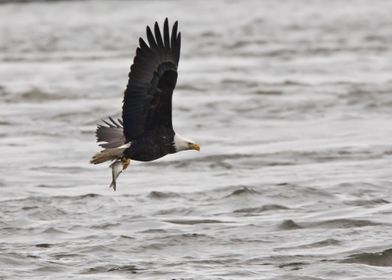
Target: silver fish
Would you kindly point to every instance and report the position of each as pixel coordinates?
(117, 168)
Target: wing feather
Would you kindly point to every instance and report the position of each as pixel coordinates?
(158, 36)
(151, 40)
(166, 36)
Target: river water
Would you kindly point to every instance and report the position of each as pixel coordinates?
(290, 101)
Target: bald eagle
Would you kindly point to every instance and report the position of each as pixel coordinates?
(145, 132)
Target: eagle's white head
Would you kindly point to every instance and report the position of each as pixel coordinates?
(182, 144)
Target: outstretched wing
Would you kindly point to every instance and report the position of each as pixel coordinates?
(152, 79)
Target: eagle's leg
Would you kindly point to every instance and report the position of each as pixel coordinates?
(125, 162)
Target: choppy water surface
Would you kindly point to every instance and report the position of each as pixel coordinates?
(290, 100)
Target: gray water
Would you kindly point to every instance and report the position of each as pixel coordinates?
(290, 101)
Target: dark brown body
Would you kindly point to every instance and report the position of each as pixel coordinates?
(151, 147)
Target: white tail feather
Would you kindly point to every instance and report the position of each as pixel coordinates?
(109, 154)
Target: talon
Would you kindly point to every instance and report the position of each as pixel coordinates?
(125, 162)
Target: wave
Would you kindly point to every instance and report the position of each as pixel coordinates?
(383, 258)
(162, 195)
(263, 208)
(333, 223)
(33, 95)
(243, 191)
(288, 225)
(193, 221)
(112, 268)
(175, 211)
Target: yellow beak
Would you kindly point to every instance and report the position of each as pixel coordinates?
(195, 147)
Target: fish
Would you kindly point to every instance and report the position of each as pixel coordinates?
(117, 167)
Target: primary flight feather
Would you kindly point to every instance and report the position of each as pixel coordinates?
(145, 132)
